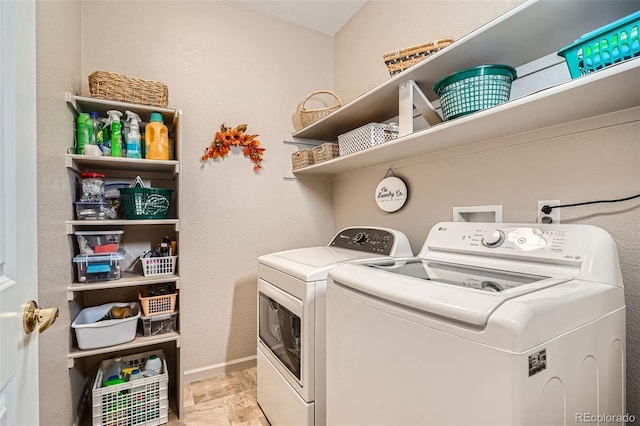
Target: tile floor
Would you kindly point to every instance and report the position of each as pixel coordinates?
(226, 400)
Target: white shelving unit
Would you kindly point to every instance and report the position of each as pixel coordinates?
(128, 168)
(522, 36)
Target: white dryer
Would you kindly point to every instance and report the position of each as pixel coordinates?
(291, 315)
(492, 324)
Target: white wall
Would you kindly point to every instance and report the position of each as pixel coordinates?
(581, 166)
(222, 64)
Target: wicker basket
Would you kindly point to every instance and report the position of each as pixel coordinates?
(399, 60)
(325, 152)
(302, 158)
(119, 87)
(310, 116)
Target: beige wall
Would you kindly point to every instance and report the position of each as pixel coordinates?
(581, 166)
(221, 64)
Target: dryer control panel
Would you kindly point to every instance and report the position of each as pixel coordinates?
(372, 240)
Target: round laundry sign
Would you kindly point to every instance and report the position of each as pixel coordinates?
(391, 194)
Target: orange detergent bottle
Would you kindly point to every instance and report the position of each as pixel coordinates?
(156, 138)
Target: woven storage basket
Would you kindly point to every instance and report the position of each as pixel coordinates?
(119, 87)
(399, 60)
(325, 152)
(302, 158)
(366, 136)
(310, 116)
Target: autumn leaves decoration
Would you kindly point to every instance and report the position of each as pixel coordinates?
(227, 138)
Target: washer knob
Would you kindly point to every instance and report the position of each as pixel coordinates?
(360, 238)
(493, 239)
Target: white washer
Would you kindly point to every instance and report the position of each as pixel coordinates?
(492, 324)
(291, 315)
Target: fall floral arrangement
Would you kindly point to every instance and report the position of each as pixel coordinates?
(229, 137)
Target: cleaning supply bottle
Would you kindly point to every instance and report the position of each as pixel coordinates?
(154, 363)
(133, 137)
(114, 370)
(93, 125)
(116, 133)
(83, 132)
(156, 138)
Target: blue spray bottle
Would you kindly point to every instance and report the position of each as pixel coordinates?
(133, 137)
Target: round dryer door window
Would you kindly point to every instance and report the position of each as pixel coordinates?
(391, 194)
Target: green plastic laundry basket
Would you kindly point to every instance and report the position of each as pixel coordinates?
(145, 203)
(608, 45)
(474, 89)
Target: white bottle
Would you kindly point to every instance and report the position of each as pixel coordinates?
(114, 370)
(134, 147)
(154, 363)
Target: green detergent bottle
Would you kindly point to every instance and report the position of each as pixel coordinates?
(83, 132)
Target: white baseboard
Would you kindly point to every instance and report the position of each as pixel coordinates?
(218, 369)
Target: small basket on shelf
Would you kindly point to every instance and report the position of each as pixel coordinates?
(608, 45)
(158, 305)
(325, 152)
(310, 116)
(119, 87)
(154, 266)
(302, 158)
(145, 203)
(399, 60)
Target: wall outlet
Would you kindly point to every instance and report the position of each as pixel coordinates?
(553, 216)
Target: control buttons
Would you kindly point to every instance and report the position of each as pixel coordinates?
(491, 286)
(493, 239)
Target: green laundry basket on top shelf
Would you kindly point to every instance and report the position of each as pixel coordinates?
(474, 89)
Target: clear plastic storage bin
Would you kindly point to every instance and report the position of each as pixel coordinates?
(159, 324)
(92, 210)
(92, 268)
(98, 242)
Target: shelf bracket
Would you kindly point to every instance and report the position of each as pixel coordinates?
(412, 96)
(70, 363)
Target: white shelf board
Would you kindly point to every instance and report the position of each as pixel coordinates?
(73, 224)
(609, 90)
(524, 34)
(101, 106)
(82, 163)
(138, 342)
(127, 280)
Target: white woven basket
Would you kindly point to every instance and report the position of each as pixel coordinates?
(364, 137)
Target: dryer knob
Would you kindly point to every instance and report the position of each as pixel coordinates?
(360, 238)
(493, 239)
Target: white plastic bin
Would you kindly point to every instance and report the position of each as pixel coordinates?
(92, 333)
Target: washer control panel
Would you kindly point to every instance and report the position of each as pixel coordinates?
(551, 242)
(371, 240)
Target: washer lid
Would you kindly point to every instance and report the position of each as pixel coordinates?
(313, 263)
(462, 300)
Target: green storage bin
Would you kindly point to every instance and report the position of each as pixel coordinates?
(474, 89)
(603, 47)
